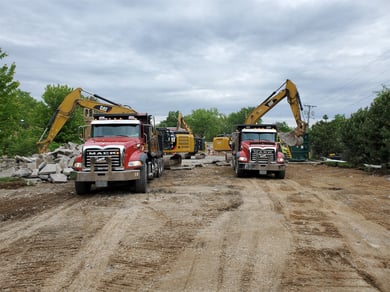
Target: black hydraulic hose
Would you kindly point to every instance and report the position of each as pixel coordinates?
(102, 98)
(105, 99)
(53, 117)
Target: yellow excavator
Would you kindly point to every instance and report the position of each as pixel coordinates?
(222, 143)
(196, 143)
(180, 142)
(68, 106)
(256, 147)
(295, 137)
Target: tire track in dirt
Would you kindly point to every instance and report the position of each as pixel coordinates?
(152, 254)
(237, 251)
(322, 257)
(27, 260)
(14, 231)
(86, 269)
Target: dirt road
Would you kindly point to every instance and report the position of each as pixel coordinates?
(320, 229)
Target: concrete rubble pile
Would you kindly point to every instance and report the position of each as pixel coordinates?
(54, 167)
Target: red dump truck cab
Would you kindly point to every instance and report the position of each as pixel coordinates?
(255, 148)
(120, 149)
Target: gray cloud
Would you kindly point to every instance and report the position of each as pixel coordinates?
(159, 56)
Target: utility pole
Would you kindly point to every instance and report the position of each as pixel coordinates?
(309, 112)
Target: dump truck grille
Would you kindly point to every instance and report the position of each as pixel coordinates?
(102, 158)
(262, 155)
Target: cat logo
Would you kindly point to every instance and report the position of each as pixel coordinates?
(103, 108)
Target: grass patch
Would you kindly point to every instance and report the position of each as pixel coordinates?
(12, 182)
(342, 164)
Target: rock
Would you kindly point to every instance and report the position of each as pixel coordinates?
(7, 172)
(58, 178)
(22, 172)
(67, 171)
(53, 166)
(22, 159)
(35, 173)
(49, 169)
(42, 165)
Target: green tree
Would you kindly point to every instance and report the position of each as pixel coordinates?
(367, 133)
(9, 121)
(29, 116)
(204, 123)
(8, 85)
(239, 117)
(53, 97)
(378, 127)
(356, 148)
(326, 137)
(170, 121)
(283, 127)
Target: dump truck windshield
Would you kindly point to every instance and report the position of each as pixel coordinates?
(115, 130)
(252, 136)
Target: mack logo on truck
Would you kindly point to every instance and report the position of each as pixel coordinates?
(263, 152)
(102, 153)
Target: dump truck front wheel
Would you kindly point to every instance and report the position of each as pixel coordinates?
(140, 184)
(82, 187)
(280, 174)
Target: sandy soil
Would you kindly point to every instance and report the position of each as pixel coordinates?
(202, 229)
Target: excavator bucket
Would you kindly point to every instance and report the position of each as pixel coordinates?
(291, 139)
(295, 137)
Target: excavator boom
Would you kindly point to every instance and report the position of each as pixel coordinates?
(68, 106)
(290, 91)
(181, 124)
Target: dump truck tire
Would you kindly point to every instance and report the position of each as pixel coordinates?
(140, 184)
(280, 174)
(238, 171)
(82, 187)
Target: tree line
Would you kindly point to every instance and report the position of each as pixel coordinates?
(364, 137)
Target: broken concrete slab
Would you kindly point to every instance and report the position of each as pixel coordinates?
(35, 173)
(67, 171)
(19, 158)
(49, 169)
(22, 172)
(58, 178)
(7, 172)
(42, 166)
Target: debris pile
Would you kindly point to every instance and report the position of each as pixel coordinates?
(55, 167)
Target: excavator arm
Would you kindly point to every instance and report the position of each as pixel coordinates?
(291, 92)
(68, 106)
(181, 123)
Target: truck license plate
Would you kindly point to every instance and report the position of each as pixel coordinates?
(262, 172)
(101, 183)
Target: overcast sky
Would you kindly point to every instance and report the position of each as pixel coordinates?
(167, 55)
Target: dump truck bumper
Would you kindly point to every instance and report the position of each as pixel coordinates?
(263, 167)
(124, 175)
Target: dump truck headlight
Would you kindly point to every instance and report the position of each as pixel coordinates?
(134, 163)
(242, 159)
(77, 166)
(280, 157)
